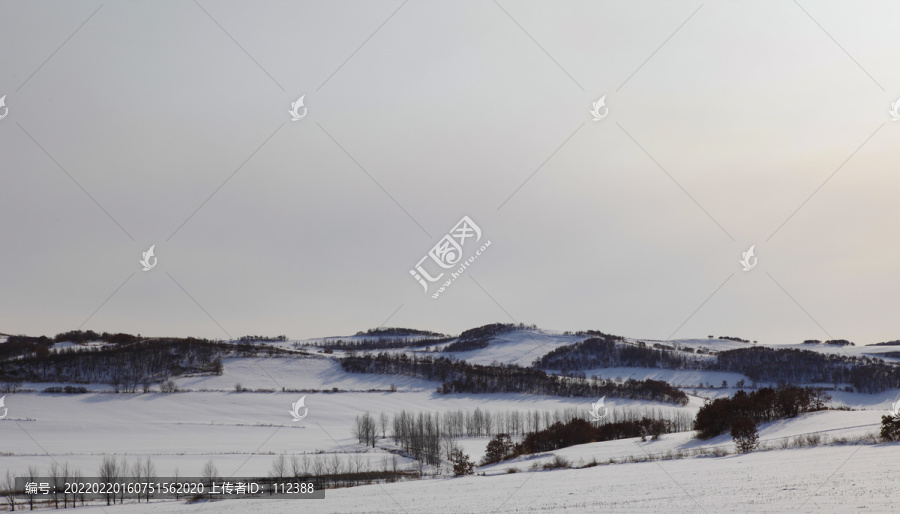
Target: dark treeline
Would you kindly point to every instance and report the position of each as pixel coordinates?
(124, 366)
(792, 366)
(255, 339)
(23, 345)
(480, 337)
(382, 343)
(461, 377)
(765, 404)
(579, 431)
(493, 330)
(608, 352)
(573, 432)
(397, 331)
(769, 365)
(887, 343)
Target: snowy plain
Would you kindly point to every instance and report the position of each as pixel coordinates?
(242, 432)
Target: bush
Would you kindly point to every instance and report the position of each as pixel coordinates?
(557, 463)
(890, 428)
(499, 448)
(461, 464)
(744, 434)
(168, 386)
(66, 390)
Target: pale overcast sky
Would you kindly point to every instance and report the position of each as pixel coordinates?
(729, 124)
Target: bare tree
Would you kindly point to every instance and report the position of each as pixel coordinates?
(137, 473)
(123, 476)
(9, 490)
(149, 473)
(319, 467)
(56, 481)
(383, 420)
(176, 478)
(279, 468)
(300, 466)
(210, 472)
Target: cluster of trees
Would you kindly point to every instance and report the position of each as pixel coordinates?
(467, 345)
(793, 366)
(597, 352)
(717, 417)
(573, 432)
(366, 428)
(593, 333)
(124, 366)
(732, 338)
(493, 330)
(254, 339)
(458, 376)
(382, 343)
(833, 342)
(480, 337)
(579, 431)
(421, 437)
(398, 331)
(335, 470)
(787, 365)
(40, 345)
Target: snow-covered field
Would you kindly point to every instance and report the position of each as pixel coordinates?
(243, 432)
(836, 479)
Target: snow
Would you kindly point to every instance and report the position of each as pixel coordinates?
(520, 347)
(831, 479)
(241, 432)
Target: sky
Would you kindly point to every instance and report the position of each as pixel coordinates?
(725, 125)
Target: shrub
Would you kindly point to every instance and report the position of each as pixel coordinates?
(557, 463)
(499, 448)
(461, 463)
(890, 428)
(744, 434)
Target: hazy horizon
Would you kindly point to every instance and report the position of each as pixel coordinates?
(729, 125)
